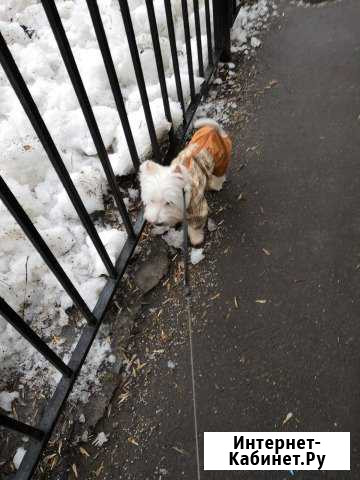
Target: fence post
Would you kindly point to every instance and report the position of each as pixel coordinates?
(222, 12)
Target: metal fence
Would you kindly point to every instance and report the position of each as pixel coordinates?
(218, 23)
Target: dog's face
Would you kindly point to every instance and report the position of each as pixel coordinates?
(162, 192)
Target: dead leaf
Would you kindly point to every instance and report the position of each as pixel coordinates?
(99, 470)
(54, 463)
(124, 397)
(56, 339)
(267, 252)
(287, 418)
(236, 302)
(74, 469)
(215, 296)
(180, 450)
(163, 336)
(133, 441)
(259, 300)
(49, 457)
(84, 452)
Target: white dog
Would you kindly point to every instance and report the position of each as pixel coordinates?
(201, 166)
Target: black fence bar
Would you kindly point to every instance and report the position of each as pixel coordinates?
(228, 22)
(113, 79)
(46, 140)
(198, 38)
(174, 54)
(35, 238)
(222, 13)
(20, 427)
(159, 65)
(209, 33)
(28, 333)
(237, 5)
(73, 71)
(188, 48)
(57, 402)
(125, 12)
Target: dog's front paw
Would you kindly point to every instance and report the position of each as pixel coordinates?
(216, 183)
(196, 236)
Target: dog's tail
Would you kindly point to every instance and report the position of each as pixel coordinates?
(209, 122)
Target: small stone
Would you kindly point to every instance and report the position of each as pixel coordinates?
(18, 457)
(255, 42)
(196, 255)
(100, 439)
(154, 268)
(211, 225)
(171, 364)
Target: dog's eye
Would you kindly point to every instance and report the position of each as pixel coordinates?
(168, 204)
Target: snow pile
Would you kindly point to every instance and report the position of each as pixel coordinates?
(25, 282)
(249, 22)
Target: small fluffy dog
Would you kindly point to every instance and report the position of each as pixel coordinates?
(201, 166)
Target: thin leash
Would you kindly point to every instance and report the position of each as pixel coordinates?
(188, 309)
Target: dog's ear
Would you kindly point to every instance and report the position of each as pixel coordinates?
(149, 167)
(181, 172)
(178, 171)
